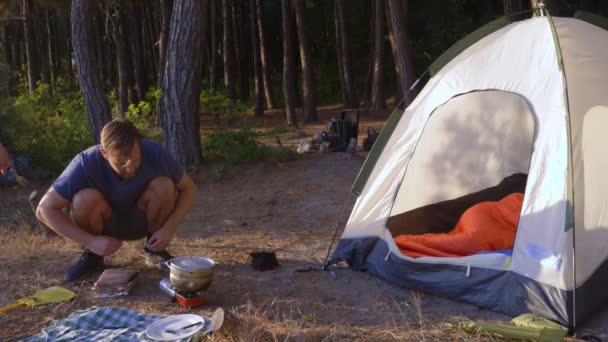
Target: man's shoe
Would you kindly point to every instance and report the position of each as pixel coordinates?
(157, 259)
(88, 262)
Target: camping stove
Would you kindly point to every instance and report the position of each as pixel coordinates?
(186, 300)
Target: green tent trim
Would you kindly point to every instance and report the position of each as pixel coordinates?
(467, 41)
(592, 19)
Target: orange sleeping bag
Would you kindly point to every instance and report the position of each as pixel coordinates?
(486, 226)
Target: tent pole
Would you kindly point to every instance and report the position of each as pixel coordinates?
(333, 239)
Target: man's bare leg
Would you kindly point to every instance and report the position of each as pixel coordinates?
(157, 202)
(89, 211)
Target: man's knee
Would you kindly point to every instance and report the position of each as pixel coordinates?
(162, 185)
(90, 209)
(87, 199)
(161, 189)
(158, 201)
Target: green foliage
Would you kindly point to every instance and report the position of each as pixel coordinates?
(274, 131)
(51, 129)
(220, 107)
(240, 147)
(143, 115)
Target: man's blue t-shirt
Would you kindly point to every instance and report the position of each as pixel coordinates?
(89, 169)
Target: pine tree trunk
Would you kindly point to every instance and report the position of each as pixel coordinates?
(92, 89)
(348, 89)
(257, 65)
(30, 41)
(205, 57)
(213, 42)
(166, 7)
(367, 91)
(50, 41)
(5, 82)
(228, 51)
(39, 25)
(377, 100)
(309, 107)
(123, 55)
(289, 81)
(264, 58)
(397, 16)
(240, 48)
(556, 8)
(98, 48)
(149, 40)
(135, 19)
(181, 90)
(513, 9)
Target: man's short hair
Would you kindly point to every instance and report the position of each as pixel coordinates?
(119, 136)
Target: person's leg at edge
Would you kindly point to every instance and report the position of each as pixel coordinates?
(89, 211)
(157, 202)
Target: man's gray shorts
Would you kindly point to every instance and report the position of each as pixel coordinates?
(122, 225)
(126, 225)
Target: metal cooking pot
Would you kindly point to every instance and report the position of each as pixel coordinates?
(191, 273)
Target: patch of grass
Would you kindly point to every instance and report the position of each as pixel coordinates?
(274, 131)
(236, 147)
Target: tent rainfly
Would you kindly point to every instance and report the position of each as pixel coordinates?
(521, 104)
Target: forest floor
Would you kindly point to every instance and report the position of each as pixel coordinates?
(290, 208)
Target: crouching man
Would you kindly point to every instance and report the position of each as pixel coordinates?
(126, 188)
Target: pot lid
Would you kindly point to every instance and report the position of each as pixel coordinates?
(192, 263)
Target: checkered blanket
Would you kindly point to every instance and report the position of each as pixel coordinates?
(99, 324)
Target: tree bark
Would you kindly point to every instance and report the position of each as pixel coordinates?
(556, 8)
(289, 82)
(514, 8)
(213, 41)
(50, 42)
(257, 65)
(228, 52)
(182, 83)
(344, 64)
(6, 56)
(240, 49)
(264, 58)
(98, 47)
(135, 19)
(309, 106)
(377, 98)
(123, 55)
(28, 29)
(92, 89)
(397, 16)
(166, 7)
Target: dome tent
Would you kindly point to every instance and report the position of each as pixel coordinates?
(529, 97)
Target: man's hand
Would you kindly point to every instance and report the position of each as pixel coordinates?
(5, 163)
(103, 245)
(160, 240)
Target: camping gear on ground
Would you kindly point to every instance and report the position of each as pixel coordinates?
(55, 294)
(177, 327)
(529, 320)
(527, 97)
(103, 324)
(513, 332)
(191, 273)
(369, 141)
(189, 277)
(264, 261)
(184, 299)
(114, 282)
(341, 131)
